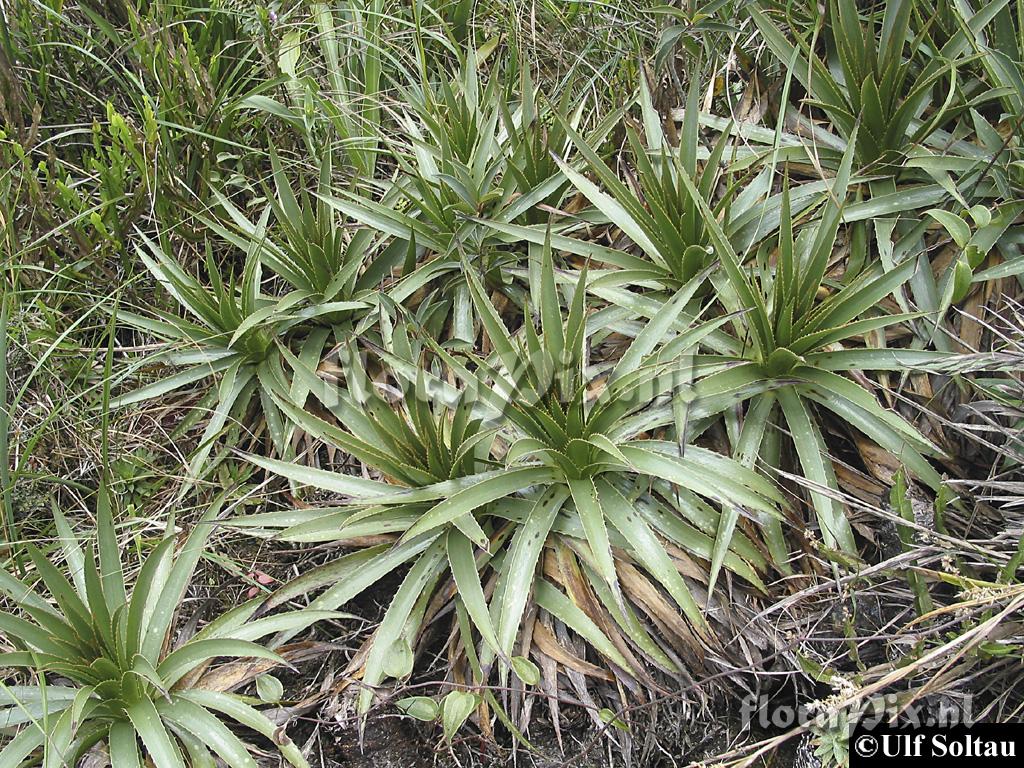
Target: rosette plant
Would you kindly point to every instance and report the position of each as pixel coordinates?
(333, 269)
(452, 170)
(651, 208)
(797, 332)
(539, 497)
(229, 332)
(471, 158)
(657, 213)
(105, 668)
(876, 79)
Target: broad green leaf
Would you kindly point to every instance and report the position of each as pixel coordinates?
(466, 574)
(589, 508)
(238, 710)
(207, 728)
(269, 688)
(423, 573)
(648, 550)
(456, 708)
(816, 464)
(526, 670)
(420, 707)
(124, 746)
(161, 748)
(487, 490)
(527, 544)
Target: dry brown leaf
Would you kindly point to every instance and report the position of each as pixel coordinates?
(228, 677)
(685, 564)
(880, 463)
(859, 485)
(548, 646)
(666, 615)
(549, 685)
